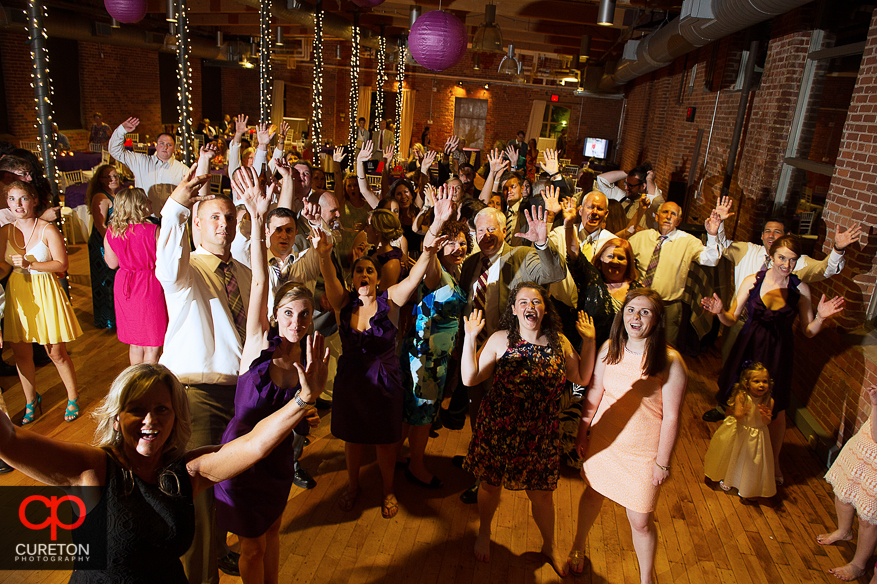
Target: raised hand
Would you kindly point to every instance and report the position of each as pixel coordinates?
(389, 151)
(512, 153)
(828, 308)
(240, 126)
(473, 324)
(131, 124)
(713, 304)
(313, 375)
(551, 195)
(427, 161)
(366, 153)
(551, 166)
(264, 134)
(537, 228)
(281, 133)
(842, 239)
(322, 242)
(282, 166)
(585, 326)
(256, 199)
(496, 161)
(871, 392)
(428, 196)
(650, 176)
(723, 207)
(713, 222)
(311, 212)
(451, 144)
(338, 155)
(209, 150)
(444, 205)
(570, 211)
(437, 244)
(186, 193)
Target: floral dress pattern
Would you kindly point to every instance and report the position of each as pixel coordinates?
(517, 435)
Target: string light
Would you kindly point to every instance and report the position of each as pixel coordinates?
(380, 79)
(42, 86)
(400, 79)
(264, 60)
(354, 81)
(184, 74)
(317, 103)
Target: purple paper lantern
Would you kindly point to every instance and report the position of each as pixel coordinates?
(128, 11)
(368, 3)
(437, 40)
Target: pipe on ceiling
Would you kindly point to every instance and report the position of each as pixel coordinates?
(687, 33)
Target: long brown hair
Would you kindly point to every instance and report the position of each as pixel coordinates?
(655, 359)
(551, 326)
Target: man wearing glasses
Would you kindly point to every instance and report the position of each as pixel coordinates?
(639, 182)
(158, 174)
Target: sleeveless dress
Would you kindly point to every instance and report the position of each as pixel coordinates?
(251, 502)
(516, 443)
(393, 254)
(146, 529)
(427, 348)
(740, 454)
(625, 433)
(767, 338)
(141, 312)
(367, 398)
(101, 277)
(854, 474)
(37, 310)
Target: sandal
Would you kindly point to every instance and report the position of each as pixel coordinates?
(724, 487)
(576, 561)
(30, 410)
(348, 499)
(389, 507)
(72, 411)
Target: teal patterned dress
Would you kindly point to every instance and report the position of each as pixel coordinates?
(516, 443)
(427, 349)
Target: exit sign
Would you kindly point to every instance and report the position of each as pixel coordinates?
(555, 98)
(689, 114)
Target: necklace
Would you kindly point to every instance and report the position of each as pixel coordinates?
(631, 352)
(33, 229)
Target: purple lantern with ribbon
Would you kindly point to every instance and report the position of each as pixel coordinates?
(368, 3)
(437, 40)
(128, 11)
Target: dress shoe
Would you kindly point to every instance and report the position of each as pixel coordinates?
(303, 479)
(229, 563)
(714, 415)
(323, 404)
(450, 422)
(5, 468)
(470, 495)
(435, 483)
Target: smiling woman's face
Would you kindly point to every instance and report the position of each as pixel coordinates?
(639, 317)
(529, 307)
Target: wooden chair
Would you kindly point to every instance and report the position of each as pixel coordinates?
(31, 145)
(133, 136)
(71, 177)
(569, 171)
(374, 181)
(141, 148)
(806, 223)
(93, 147)
(563, 162)
(215, 184)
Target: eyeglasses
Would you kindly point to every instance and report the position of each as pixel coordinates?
(633, 186)
(23, 173)
(111, 176)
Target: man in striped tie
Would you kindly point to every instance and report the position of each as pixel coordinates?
(664, 257)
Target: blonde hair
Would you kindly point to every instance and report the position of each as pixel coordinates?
(742, 385)
(386, 224)
(131, 384)
(290, 292)
(130, 208)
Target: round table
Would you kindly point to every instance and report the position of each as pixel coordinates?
(78, 161)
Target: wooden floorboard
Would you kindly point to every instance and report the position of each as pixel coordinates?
(704, 534)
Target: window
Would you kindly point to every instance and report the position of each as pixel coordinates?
(470, 121)
(556, 119)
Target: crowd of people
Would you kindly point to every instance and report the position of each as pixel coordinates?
(499, 292)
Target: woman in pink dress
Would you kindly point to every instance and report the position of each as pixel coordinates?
(141, 312)
(629, 425)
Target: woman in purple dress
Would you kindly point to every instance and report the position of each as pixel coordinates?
(367, 403)
(251, 504)
(773, 299)
(129, 245)
(384, 227)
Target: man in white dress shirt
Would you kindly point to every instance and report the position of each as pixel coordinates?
(638, 183)
(158, 174)
(670, 261)
(207, 293)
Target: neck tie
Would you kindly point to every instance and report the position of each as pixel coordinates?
(653, 263)
(280, 270)
(588, 246)
(509, 225)
(479, 296)
(766, 264)
(628, 203)
(235, 302)
(381, 141)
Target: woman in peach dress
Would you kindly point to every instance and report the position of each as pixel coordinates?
(629, 425)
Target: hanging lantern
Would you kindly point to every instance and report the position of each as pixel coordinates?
(128, 11)
(437, 40)
(368, 3)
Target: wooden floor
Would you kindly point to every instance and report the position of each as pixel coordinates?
(705, 535)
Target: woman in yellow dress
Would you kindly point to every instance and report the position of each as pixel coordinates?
(37, 310)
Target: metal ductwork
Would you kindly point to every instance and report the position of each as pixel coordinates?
(701, 22)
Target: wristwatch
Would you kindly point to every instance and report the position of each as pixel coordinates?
(302, 403)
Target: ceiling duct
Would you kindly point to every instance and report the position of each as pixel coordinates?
(700, 23)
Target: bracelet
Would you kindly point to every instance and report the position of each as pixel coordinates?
(360, 177)
(433, 234)
(664, 468)
(834, 247)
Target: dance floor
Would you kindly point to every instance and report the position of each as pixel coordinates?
(705, 535)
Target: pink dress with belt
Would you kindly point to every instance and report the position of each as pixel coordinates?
(141, 312)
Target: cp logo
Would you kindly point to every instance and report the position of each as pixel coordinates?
(52, 505)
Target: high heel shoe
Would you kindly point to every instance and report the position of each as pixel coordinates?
(71, 413)
(30, 410)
